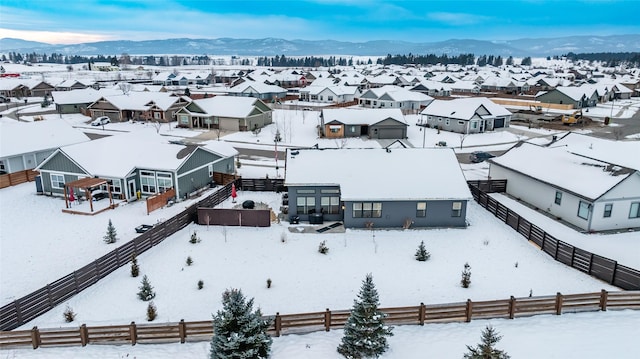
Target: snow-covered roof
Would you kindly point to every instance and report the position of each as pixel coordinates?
(399, 94)
(141, 101)
(361, 116)
(409, 173)
(563, 169)
(116, 156)
(87, 95)
(227, 106)
(622, 153)
(258, 87)
(27, 137)
(464, 108)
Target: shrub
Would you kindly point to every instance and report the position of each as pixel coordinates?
(322, 248)
(268, 282)
(189, 261)
(422, 254)
(466, 276)
(194, 238)
(135, 269)
(152, 312)
(200, 284)
(111, 236)
(69, 314)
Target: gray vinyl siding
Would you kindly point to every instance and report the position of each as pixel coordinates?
(226, 165)
(71, 108)
(61, 163)
(197, 159)
(15, 164)
(555, 96)
(193, 181)
(352, 130)
(395, 213)
(388, 128)
(41, 156)
(46, 182)
(293, 196)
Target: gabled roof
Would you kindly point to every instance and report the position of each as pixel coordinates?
(142, 101)
(621, 153)
(116, 156)
(25, 137)
(361, 116)
(359, 180)
(557, 166)
(396, 93)
(87, 95)
(464, 108)
(258, 87)
(227, 106)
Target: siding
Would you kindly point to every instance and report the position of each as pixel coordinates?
(61, 163)
(193, 181)
(46, 183)
(293, 195)
(394, 215)
(198, 158)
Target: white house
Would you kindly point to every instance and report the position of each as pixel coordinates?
(394, 97)
(593, 184)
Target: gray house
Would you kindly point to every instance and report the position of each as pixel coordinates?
(383, 188)
(142, 161)
(465, 115)
(23, 146)
(225, 112)
(578, 97)
(373, 123)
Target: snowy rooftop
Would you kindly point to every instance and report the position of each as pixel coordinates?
(375, 174)
(361, 116)
(227, 106)
(116, 156)
(87, 95)
(463, 108)
(622, 153)
(561, 168)
(21, 137)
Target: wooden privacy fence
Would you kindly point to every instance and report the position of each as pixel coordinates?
(160, 200)
(309, 322)
(234, 217)
(262, 184)
(597, 266)
(15, 178)
(32, 305)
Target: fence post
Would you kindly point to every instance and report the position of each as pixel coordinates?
(422, 313)
(35, 337)
(615, 269)
(512, 307)
(278, 324)
(84, 335)
(182, 329)
(604, 295)
(573, 255)
(133, 333)
(558, 303)
(16, 304)
(590, 263)
(49, 296)
(468, 310)
(327, 320)
(544, 239)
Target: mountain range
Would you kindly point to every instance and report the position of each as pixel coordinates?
(275, 46)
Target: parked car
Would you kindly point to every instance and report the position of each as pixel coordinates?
(100, 121)
(4, 99)
(479, 156)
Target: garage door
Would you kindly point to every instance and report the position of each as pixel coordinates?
(498, 123)
(392, 133)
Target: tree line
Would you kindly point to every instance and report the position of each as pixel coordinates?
(610, 59)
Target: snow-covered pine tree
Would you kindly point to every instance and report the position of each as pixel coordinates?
(146, 292)
(486, 349)
(135, 268)
(466, 276)
(111, 236)
(239, 331)
(365, 332)
(422, 254)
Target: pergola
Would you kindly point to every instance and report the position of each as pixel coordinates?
(88, 185)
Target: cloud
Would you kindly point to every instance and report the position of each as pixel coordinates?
(53, 37)
(457, 18)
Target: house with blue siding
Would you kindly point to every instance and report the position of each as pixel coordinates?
(143, 162)
(383, 188)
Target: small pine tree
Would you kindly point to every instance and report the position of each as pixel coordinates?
(69, 315)
(189, 261)
(111, 236)
(200, 284)
(486, 349)
(240, 332)
(146, 292)
(466, 276)
(364, 332)
(152, 312)
(422, 254)
(194, 238)
(135, 269)
(322, 248)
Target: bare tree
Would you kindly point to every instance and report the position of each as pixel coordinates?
(125, 87)
(463, 136)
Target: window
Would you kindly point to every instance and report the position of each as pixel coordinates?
(583, 210)
(447, 121)
(115, 187)
(461, 123)
(367, 209)
(421, 209)
(57, 181)
(164, 181)
(634, 211)
(474, 124)
(607, 210)
(305, 205)
(456, 209)
(184, 119)
(335, 128)
(2, 166)
(148, 182)
(156, 115)
(329, 98)
(558, 199)
(353, 129)
(305, 191)
(332, 190)
(330, 205)
(210, 167)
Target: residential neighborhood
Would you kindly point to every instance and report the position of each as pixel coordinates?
(368, 160)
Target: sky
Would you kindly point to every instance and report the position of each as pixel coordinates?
(78, 21)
